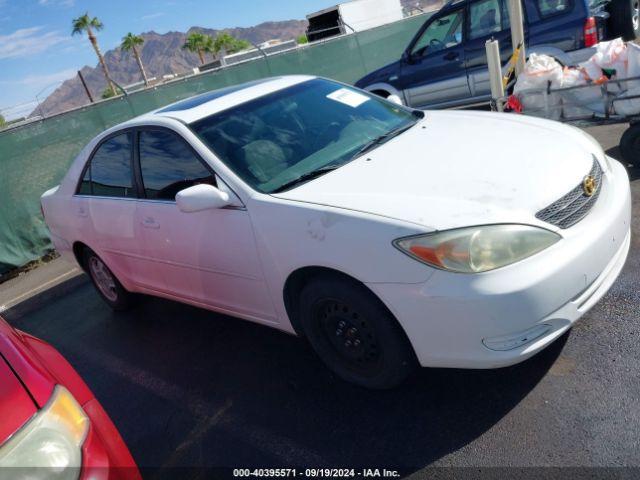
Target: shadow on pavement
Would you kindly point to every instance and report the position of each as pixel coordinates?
(187, 387)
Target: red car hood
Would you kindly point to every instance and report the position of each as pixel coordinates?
(15, 403)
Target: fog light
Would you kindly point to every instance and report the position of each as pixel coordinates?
(515, 340)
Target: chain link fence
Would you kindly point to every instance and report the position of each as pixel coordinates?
(35, 156)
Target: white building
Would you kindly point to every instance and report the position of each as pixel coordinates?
(352, 16)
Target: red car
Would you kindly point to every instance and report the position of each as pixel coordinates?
(49, 417)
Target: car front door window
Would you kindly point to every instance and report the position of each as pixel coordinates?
(169, 165)
(442, 33)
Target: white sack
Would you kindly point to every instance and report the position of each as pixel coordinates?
(532, 84)
(612, 55)
(630, 107)
(581, 102)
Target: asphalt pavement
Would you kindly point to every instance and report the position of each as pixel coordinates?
(191, 388)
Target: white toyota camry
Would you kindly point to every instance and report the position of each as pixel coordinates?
(388, 237)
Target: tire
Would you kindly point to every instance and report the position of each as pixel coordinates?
(630, 145)
(106, 283)
(624, 20)
(354, 334)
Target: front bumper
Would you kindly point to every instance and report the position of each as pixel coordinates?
(452, 319)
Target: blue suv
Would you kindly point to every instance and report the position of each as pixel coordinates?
(445, 64)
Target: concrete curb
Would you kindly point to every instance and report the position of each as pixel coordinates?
(27, 305)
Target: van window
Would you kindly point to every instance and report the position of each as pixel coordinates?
(486, 18)
(168, 165)
(553, 7)
(442, 33)
(109, 171)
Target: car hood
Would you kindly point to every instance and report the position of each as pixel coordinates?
(457, 169)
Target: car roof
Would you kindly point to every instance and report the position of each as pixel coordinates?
(197, 107)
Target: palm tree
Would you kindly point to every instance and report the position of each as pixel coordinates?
(88, 24)
(229, 44)
(130, 42)
(196, 42)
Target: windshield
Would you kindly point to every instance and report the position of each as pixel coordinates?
(272, 141)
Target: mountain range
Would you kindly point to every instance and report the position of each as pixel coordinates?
(161, 54)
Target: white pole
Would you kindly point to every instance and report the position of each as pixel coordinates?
(495, 71)
(517, 32)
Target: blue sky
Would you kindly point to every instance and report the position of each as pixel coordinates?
(37, 50)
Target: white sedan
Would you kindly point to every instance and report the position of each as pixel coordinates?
(388, 237)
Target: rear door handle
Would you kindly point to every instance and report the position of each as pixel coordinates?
(150, 222)
(452, 56)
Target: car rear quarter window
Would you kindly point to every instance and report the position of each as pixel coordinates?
(109, 171)
(169, 165)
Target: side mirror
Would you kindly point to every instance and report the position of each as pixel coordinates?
(201, 197)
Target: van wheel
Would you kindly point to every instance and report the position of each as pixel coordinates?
(354, 334)
(630, 145)
(106, 283)
(625, 18)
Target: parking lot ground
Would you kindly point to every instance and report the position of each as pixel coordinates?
(191, 388)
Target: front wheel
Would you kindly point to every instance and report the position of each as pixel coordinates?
(106, 283)
(354, 334)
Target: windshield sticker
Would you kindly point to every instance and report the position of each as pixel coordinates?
(348, 97)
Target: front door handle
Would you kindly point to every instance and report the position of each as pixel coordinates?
(150, 222)
(452, 56)
(82, 212)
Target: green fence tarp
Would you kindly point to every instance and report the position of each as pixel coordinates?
(33, 158)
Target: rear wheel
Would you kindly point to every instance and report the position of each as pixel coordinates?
(625, 18)
(354, 334)
(630, 145)
(106, 283)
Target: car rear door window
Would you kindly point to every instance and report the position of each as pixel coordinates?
(553, 7)
(485, 18)
(169, 165)
(109, 173)
(441, 34)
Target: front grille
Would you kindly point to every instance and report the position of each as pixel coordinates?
(575, 205)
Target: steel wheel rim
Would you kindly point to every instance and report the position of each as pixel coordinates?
(103, 278)
(350, 335)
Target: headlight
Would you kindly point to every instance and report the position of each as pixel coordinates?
(51, 439)
(477, 249)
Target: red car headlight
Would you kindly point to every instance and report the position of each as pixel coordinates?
(51, 440)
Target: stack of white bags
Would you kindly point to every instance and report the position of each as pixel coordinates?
(614, 60)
